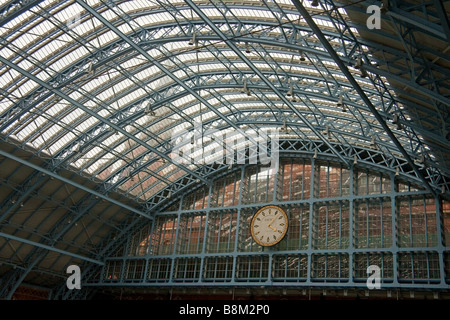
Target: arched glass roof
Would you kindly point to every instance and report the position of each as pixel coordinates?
(106, 89)
(123, 77)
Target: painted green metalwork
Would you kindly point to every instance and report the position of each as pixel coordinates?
(341, 221)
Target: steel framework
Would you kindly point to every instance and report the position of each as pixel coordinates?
(97, 94)
(341, 222)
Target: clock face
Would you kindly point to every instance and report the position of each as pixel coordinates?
(269, 225)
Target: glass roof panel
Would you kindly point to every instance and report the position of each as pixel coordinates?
(122, 77)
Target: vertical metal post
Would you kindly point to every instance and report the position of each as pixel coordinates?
(275, 182)
(351, 223)
(149, 247)
(311, 225)
(238, 224)
(302, 196)
(394, 195)
(440, 237)
(367, 205)
(381, 203)
(203, 251)
(175, 240)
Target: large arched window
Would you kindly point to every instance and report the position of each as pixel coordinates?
(341, 221)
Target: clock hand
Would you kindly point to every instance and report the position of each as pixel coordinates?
(274, 229)
(273, 219)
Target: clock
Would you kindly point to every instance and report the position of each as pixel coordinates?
(269, 225)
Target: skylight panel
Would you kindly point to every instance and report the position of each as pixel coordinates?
(131, 63)
(109, 15)
(94, 83)
(87, 124)
(293, 17)
(25, 39)
(153, 190)
(41, 54)
(50, 133)
(61, 142)
(161, 17)
(125, 83)
(112, 170)
(69, 58)
(68, 15)
(147, 73)
(80, 28)
(212, 12)
(73, 116)
(132, 96)
(29, 129)
(104, 38)
(16, 21)
(168, 172)
(106, 95)
(25, 88)
(86, 158)
(43, 28)
(75, 95)
(164, 81)
(26, 65)
(125, 28)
